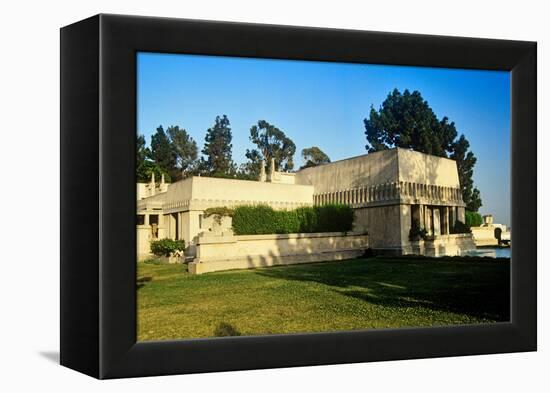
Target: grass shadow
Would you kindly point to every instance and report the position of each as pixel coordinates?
(225, 329)
(142, 281)
(476, 288)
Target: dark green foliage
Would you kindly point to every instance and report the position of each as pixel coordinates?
(165, 247)
(219, 211)
(144, 165)
(461, 227)
(407, 121)
(173, 151)
(161, 151)
(474, 201)
(314, 156)
(286, 221)
(271, 143)
(262, 219)
(142, 173)
(417, 232)
(250, 170)
(309, 219)
(184, 151)
(148, 167)
(254, 220)
(333, 218)
(473, 219)
(217, 149)
(465, 162)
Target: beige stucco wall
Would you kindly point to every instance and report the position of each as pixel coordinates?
(214, 189)
(200, 193)
(381, 167)
(415, 167)
(283, 177)
(443, 245)
(152, 202)
(382, 223)
(484, 236)
(187, 199)
(369, 169)
(143, 238)
(240, 252)
(144, 233)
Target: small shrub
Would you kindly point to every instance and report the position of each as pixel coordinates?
(165, 247)
(417, 232)
(473, 219)
(460, 227)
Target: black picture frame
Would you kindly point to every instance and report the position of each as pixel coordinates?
(98, 204)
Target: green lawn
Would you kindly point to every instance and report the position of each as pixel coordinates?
(369, 293)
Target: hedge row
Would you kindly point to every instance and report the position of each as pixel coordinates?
(473, 219)
(261, 220)
(165, 247)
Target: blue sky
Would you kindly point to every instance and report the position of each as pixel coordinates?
(323, 104)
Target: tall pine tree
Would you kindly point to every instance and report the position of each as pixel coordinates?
(144, 165)
(406, 120)
(184, 151)
(217, 149)
(162, 153)
(465, 161)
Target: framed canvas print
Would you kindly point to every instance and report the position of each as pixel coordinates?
(240, 196)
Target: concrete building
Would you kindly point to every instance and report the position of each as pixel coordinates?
(490, 233)
(388, 190)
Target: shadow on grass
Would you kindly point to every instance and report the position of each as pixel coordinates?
(142, 281)
(479, 289)
(225, 330)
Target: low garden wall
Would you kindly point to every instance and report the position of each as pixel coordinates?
(484, 236)
(143, 239)
(225, 252)
(444, 245)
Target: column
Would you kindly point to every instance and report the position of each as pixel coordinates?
(436, 221)
(428, 219)
(452, 216)
(461, 214)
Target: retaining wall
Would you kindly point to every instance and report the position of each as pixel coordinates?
(215, 252)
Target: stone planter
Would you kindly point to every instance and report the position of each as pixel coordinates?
(218, 224)
(177, 257)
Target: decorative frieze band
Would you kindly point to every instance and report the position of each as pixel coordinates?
(206, 203)
(388, 192)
